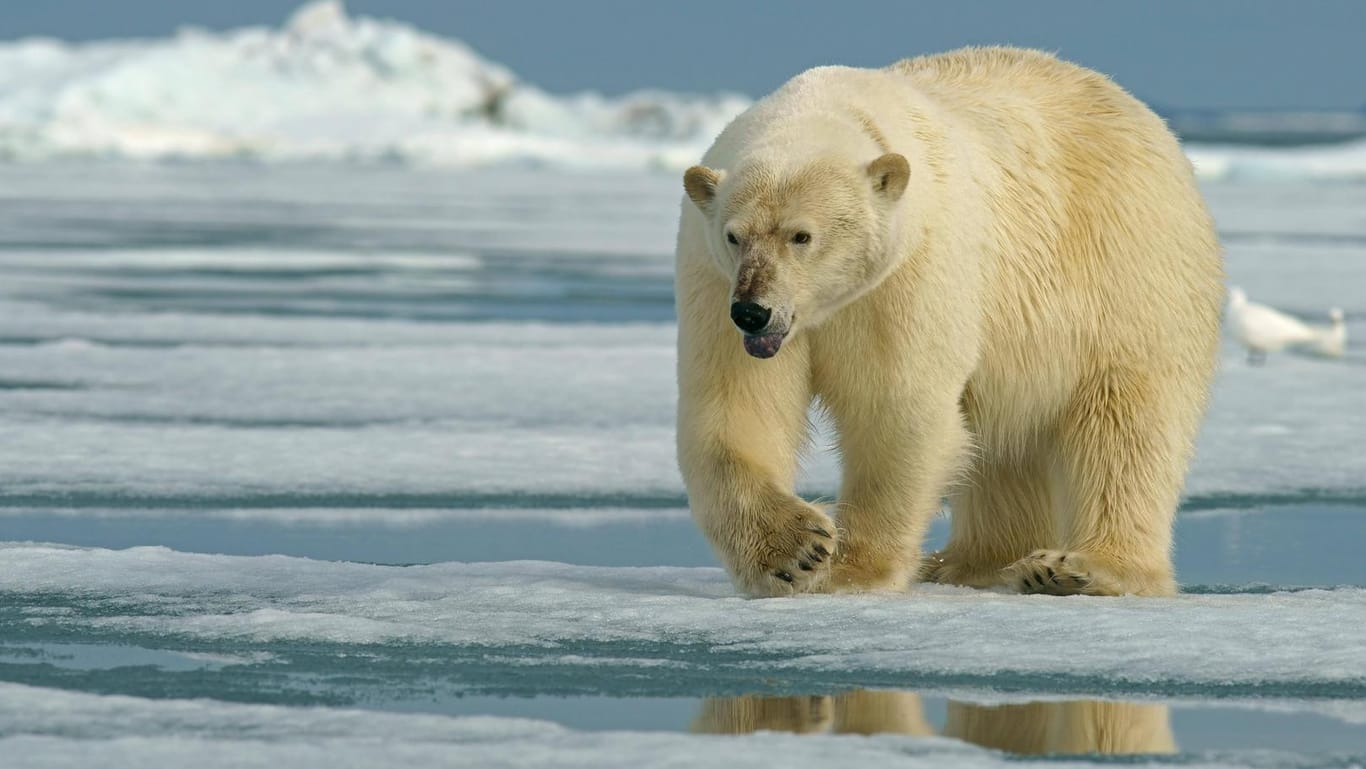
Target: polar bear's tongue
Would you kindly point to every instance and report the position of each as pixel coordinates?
(763, 345)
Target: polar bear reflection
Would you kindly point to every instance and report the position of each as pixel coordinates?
(1078, 726)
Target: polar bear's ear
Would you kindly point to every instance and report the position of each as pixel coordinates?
(701, 182)
(890, 173)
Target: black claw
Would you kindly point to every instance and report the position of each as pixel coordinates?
(816, 557)
(1052, 575)
(821, 549)
(784, 576)
(805, 566)
(1062, 558)
(822, 532)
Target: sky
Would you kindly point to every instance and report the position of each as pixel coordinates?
(1275, 54)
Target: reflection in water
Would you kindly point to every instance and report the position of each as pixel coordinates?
(858, 712)
(1077, 726)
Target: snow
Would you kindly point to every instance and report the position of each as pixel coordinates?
(550, 614)
(330, 86)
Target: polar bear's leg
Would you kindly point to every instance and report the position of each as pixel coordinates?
(899, 456)
(1002, 511)
(1123, 448)
(741, 422)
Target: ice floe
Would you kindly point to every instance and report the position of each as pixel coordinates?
(534, 613)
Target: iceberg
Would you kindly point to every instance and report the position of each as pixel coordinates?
(326, 86)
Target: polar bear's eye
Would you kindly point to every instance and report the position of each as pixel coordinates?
(731, 239)
(802, 238)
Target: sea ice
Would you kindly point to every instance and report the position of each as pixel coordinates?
(549, 614)
(267, 377)
(464, 410)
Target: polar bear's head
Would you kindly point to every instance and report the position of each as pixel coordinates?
(798, 242)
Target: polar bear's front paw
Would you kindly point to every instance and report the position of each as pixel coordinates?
(791, 554)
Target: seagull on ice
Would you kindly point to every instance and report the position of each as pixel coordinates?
(1331, 341)
(1262, 329)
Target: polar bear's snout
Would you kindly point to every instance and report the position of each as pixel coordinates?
(750, 317)
(763, 334)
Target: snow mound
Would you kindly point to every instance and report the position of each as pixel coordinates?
(326, 86)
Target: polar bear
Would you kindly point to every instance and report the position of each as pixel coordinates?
(995, 273)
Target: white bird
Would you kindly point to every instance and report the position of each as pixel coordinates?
(1263, 329)
(1331, 341)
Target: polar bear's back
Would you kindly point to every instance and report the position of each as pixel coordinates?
(990, 63)
(1102, 249)
(1002, 75)
(1091, 182)
(1028, 106)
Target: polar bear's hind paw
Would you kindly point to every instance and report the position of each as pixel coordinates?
(1055, 572)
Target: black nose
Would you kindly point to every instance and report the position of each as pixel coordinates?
(750, 317)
